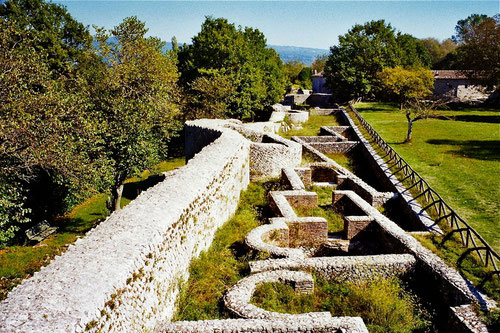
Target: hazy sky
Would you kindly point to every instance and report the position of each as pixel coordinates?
(298, 23)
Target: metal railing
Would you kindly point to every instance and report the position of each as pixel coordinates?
(469, 236)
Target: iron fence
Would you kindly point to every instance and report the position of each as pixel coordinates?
(435, 204)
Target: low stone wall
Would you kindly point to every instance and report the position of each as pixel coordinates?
(339, 174)
(454, 290)
(418, 219)
(123, 276)
(237, 299)
(344, 268)
(294, 323)
(298, 117)
(269, 152)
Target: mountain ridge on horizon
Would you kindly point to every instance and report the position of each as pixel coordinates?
(286, 52)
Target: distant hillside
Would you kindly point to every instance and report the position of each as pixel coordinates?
(304, 54)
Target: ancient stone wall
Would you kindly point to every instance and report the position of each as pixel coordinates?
(123, 276)
(417, 218)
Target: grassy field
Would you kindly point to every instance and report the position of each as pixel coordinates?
(311, 127)
(19, 262)
(457, 153)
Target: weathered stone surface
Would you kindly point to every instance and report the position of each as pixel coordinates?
(237, 299)
(384, 174)
(294, 323)
(348, 268)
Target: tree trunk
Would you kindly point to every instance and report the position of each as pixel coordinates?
(410, 127)
(117, 196)
(117, 191)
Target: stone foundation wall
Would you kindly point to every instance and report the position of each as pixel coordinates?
(123, 276)
(417, 219)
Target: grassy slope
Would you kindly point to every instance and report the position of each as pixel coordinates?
(18, 262)
(459, 158)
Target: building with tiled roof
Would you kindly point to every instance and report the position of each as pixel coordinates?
(456, 85)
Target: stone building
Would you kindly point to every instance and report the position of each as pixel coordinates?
(319, 84)
(455, 85)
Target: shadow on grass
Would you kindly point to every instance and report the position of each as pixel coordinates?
(488, 150)
(133, 189)
(478, 119)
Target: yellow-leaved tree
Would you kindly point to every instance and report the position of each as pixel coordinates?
(410, 87)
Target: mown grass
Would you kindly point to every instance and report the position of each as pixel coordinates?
(451, 250)
(312, 126)
(457, 153)
(19, 262)
(225, 262)
(384, 305)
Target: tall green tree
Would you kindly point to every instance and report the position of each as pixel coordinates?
(352, 65)
(438, 50)
(136, 101)
(53, 31)
(239, 55)
(479, 50)
(49, 154)
(464, 27)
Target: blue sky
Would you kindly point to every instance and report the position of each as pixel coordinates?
(297, 23)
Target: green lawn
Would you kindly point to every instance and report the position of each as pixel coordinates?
(19, 262)
(458, 154)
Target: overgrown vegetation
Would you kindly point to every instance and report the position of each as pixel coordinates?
(342, 159)
(18, 262)
(324, 209)
(384, 305)
(225, 262)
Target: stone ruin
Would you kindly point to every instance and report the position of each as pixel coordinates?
(124, 275)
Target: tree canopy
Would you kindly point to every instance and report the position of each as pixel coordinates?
(438, 50)
(53, 31)
(410, 87)
(238, 55)
(352, 65)
(479, 50)
(137, 101)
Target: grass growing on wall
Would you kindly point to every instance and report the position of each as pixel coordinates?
(383, 304)
(343, 160)
(311, 127)
(19, 262)
(334, 219)
(225, 262)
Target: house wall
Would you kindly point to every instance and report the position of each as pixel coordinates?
(461, 89)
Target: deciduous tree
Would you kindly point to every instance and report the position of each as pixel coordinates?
(240, 54)
(410, 87)
(137, 100)
(352, 66)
